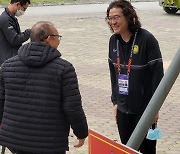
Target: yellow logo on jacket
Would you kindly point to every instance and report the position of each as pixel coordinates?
(135, 49)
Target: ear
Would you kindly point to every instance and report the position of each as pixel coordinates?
(17, 3)
(47, 41)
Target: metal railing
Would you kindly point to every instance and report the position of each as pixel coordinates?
(155, 103)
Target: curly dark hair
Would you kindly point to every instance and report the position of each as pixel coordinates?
(129, 13)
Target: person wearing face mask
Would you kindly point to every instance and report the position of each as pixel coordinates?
(11, 37)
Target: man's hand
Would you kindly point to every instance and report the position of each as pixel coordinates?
(80, 143)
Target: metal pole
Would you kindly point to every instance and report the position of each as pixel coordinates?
(155, 103)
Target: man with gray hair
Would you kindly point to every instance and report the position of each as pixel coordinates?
(40, 98)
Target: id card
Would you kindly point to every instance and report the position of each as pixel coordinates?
(123, 84)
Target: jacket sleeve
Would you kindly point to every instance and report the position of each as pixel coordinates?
(72, 104)
(155, 62)
(112, 73)
(113, 82)
(2, 93)
(11, 34)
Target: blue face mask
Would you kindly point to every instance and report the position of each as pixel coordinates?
(154, 134)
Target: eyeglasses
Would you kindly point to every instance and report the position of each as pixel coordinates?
(59, 36)
(113, 18)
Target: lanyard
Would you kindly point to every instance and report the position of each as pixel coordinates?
(130, 58)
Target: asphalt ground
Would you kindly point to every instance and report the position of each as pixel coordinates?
(85, 45)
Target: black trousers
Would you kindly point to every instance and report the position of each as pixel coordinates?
(126, 124)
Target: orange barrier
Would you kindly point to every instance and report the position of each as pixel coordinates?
(99, 144)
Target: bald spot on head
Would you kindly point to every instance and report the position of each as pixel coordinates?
(40, 31)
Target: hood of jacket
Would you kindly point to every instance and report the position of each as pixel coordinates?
(37, 54)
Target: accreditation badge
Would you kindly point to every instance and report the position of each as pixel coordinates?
(123, 84)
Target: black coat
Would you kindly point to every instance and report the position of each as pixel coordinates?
(41, 99)
(11, 37)
(145, 74)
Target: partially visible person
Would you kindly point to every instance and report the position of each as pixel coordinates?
(11, 37)
(40, 98)
(136, 69)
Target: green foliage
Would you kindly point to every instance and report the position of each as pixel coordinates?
(4, 1)
(42, 1)
(51, 1)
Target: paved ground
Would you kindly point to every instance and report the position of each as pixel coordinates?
(85, 44)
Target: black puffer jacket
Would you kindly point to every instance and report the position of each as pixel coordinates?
(41, 99)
